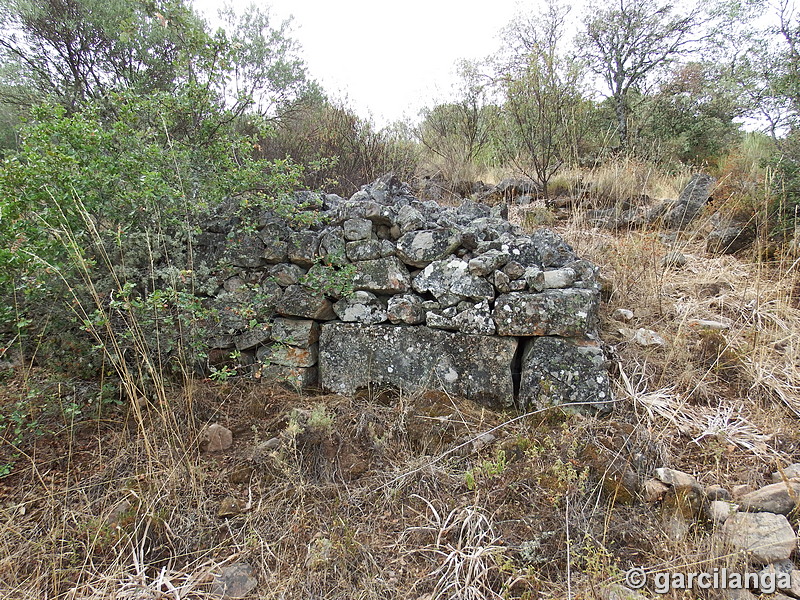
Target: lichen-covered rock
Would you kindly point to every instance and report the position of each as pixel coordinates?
(298, 301)
(364, 250)
(382, 276)
(442, 318)
(361, 307)
(730, 239)
(303, 247)
(296, 377)
(410, 219)
(476, 367)
(332, 245)
(295, 332)
(558, 371)
(476, 319)
(357, 229)
(566, 313)
(450, 277)
(488, 262)
(245, 251)
(553, 251)
(287, 274)
(274, 236)
(406, 309)
(534, 278)
(288, 356)
(420, 248)
(559, 278)
(254, 337)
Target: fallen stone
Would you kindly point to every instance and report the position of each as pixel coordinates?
(246, 251)
(421, 248)
(718, 511)
(406, 309)
(738, 491)
(677, 479)
(295, 332)
(622, 314)
(551, 249)
(476, 319)
(514, 270)
(787, 473)
(781, 575)
(234, 581)
(764, 537)
(297, 301)
(620, 592)
(717, 492)
(216, 438)
(502, 282)
(475, 367)
(707, 324)
(730, 239)
(557, 371)
(332, 245)
(691, 201)
(673, 259)
(779, 498)
(648, 338)
(566, 313)
(653, 490)
(382, 276)
(361, 307)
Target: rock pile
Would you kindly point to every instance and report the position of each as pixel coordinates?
(382, 288)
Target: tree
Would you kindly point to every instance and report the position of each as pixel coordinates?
(458, 132)
(630, 41)
(543, 103)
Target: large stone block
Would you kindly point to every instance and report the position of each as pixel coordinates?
(567, 313)
(382, 276)
(475, 367)
(421, 248)
(559, 371)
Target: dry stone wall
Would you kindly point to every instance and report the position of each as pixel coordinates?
(383, 289)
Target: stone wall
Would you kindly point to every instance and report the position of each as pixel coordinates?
(383, 289)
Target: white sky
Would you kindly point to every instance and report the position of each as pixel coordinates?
(389, 59)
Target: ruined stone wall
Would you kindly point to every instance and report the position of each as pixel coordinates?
(384, 289)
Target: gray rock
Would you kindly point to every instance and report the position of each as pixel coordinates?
(287, 274)
(559, 278)
(677, 479)
(557, 371)
(514, 270)
(648, 338)
(332, 245)
(382, 276)
(420, 248)
(297, 301)
(303, 247)
(229, 507)
(476, 319)
(475, 367)
(717, 492)
(234, 581)
(254, 337)
(551, 249)
(790, 472)
(779, 498)
(488, 262)
(622, 314)
(450, 277)
(518, 285)
(730, 239)
(216, 437)
(691, 202)
(295, 332)
(388, 248)
(502, 282)
(246, 251)
(295, 377)
(567, 313)
(534, 279)
(406, 309)
(442, 319)
(361, 307)
(410, 219)
(274, 236)
(288, 356)
(357, 229)
(673, 259)
(764, 537)
(719, 511)
(364, 250)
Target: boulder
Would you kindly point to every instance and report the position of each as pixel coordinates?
(566, 313)
(475, 367)
(779, 498)
(730, 239)
(691, 201)
(420, 248)
(764, 537)
(234, 581)
(557, 371)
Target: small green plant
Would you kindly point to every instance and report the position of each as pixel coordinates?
(222, 374)
(320, 418)
(487, 468)
(331, 276)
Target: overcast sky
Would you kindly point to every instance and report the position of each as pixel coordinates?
(388, 59)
